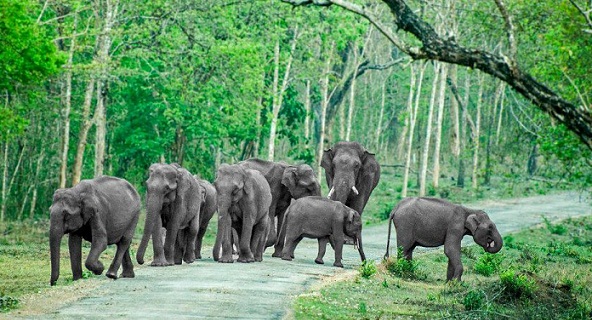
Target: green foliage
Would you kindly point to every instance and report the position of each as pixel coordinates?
(487, 264)
(517, 284)
(403, 268)
(474, 300)
(559, 228)
(8, 303)
(367, 269)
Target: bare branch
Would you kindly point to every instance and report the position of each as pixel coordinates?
(586, 15)
(509, 31)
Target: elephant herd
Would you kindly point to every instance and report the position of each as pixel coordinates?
(260, 204)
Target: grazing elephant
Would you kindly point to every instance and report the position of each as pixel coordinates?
(173, 201)
(208, 208)
(286, 183)
(324, 219)
(352, 173)
(104, 211)
(243, 205)
(430, 222)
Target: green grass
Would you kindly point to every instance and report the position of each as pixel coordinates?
(539, 274)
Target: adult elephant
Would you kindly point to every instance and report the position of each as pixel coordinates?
(430, 222)
(104, 211)
(173, 201)
(244, 198)
(286, 182)
(352, 173)
(208, 208)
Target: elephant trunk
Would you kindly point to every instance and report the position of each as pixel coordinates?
(55, 239)
(343, 185)
(358, 240)
(496, 243)
(153, 206)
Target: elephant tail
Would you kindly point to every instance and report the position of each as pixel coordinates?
(388, 240)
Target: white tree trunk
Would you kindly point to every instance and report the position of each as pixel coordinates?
(426, 146)
(477, 133)
(502, 90)
(307, 109)
(67, 108)
(454, 116)
(324, 104)
(380, 116)
(83, 134)
(4, 178)
(438, 138)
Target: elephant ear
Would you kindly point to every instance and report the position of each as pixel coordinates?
(89, 203)
(289, 178)
(327, 164)
(350, 215)
(472, 223)
(183, 180)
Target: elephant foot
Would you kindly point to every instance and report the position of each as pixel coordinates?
(338, 264)
(319, 261)
(128, 274)
(226, 260)
(189, 261)
(277, 254)
(96, 267)
(246, 260)
(160, 263)
(287, 257)
(112, 275)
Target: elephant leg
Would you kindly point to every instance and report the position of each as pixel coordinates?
(98, 245)
(127, 265)
(225, 234)
(322, 249)
(245, 254)
(292, 241)
(179, 247)
(75, 248)
(279, 247)
(190, 236)
(259, 236)
(455, 267)
(199, 239)
(272, 233)
(122, 248)
(157, 245)
(338, 240)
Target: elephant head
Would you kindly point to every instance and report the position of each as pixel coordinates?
(230, 186)
(301, 181)
(72, 208)
(161, 191)
(353, 228)
(484, 231)
(352, 173)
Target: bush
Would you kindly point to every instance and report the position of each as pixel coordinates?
(402, 267)
(488, 264)
(517, 284)
(367, 269)
(474, 300)
(558, 229)
(8, 303)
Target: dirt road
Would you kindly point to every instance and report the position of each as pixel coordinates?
(207, 289)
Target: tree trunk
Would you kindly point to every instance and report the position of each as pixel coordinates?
(324, 104)
(438, 138)
(477, 133)
(460, 181)
(380, 116)
(4, 178)
(501, 113)
(36, 185)
(426, 146)
(308, 114)
(100, 125)
(352, 96)
(82, 135)
(412, 119)
(278, 94)
(454, 115)
(67, 107)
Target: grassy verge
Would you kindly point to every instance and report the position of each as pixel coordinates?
(25, 260)
(541, 273)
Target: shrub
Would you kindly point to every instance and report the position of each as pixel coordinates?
(402, 267)
(558, 229)
(488, 264)
(517, 284)
(367, 269)
(474, 300)
(8, 303)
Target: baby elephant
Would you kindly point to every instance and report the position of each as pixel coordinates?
(324, 219)
(430, 222)
(104, 211)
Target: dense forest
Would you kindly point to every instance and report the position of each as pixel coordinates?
(466, 91)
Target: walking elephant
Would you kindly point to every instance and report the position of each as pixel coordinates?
(244, 198)
(430, 222)
(323, 219)
(173, 201)
(103, 211)
(286, 182)
(352, 173)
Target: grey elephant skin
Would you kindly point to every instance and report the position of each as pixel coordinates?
(352, 173)
(430, 222)
(323, 219)
(104, 211)
(286, 182)
(173, 201)
(244, 198)
(207, 210)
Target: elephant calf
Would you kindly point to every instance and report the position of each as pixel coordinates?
(323, 219)
(430, 222)
(104, 211)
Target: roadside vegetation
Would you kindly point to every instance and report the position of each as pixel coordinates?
(541, 273)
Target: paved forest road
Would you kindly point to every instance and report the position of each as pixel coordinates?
(207, 289)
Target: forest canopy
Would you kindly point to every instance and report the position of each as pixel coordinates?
(110, 87)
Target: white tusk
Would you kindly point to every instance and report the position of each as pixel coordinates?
(331, 192)
(355, 190)
(492, 244)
